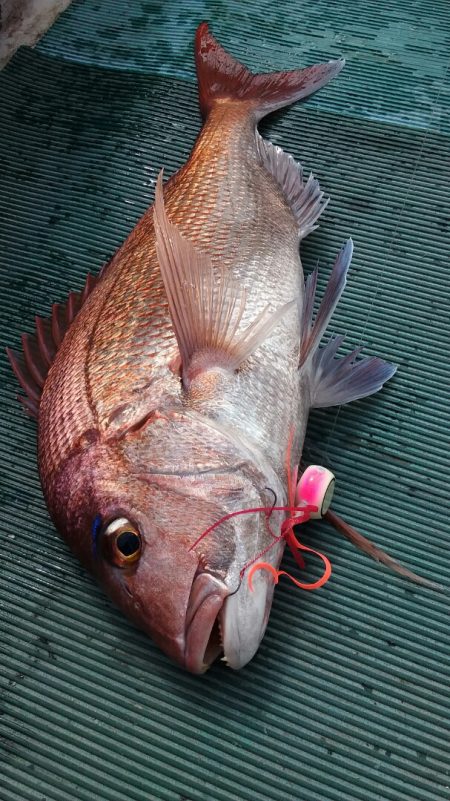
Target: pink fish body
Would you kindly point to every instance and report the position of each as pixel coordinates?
(168, 391)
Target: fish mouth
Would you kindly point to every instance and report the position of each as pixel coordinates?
(203, 632)
(225, 623)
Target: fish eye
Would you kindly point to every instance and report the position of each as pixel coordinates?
(123, 542)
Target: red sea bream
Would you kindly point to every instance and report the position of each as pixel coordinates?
(168, 391)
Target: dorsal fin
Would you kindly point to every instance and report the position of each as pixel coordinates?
(304, 198)
(40, 348)
(206, 303)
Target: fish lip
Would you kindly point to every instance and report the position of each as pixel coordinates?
(205, 603)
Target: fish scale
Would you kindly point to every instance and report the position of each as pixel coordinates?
(133, 319)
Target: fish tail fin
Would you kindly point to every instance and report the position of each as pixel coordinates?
(222, 77)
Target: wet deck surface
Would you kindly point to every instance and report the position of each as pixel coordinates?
(348, 697)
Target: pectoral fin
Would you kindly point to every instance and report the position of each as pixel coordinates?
(206, 303)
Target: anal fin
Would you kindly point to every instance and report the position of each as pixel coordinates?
(305, 198)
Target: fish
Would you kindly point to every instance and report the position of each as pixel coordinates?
(171, 389)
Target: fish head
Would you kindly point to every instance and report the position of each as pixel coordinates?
(134, 511)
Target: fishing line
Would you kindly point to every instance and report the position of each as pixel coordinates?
(394, 234)
(269, 489)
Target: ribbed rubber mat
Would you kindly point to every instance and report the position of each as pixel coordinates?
(400, 48)
(348, 698)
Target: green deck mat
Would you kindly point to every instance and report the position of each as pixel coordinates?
(349, 695)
